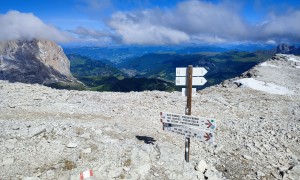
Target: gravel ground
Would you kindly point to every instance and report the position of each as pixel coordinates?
(56, 134)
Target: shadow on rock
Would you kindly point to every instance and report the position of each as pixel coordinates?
(146, 139)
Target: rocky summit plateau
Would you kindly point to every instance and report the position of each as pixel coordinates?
(57, 134)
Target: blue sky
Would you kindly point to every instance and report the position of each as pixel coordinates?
(157, 22)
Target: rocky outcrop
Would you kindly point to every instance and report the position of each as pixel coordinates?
(35, 61)
(286, 49)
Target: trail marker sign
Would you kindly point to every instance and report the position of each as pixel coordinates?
(201, 135)
(184, 92)
(197, 71)
(197, 81)
(207, 124)
(187, 125)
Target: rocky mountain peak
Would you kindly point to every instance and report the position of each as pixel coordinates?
(33, 61)
(287, 49)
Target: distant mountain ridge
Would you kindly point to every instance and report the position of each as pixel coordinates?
(220, 66)
(287, 49)
(34, 61)
(99, 76)
(85, 66)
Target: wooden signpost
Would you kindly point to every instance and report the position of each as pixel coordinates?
(190, 126)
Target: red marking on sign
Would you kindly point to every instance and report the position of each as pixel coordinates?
(209, 124)
(207, 136)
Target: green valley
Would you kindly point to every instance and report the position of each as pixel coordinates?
(156, 71)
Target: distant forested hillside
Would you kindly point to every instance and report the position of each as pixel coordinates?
(220, 66)
(99, 76)
(139, 70)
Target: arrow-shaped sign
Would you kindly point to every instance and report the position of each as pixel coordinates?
(197, 81)
(199, 134)
(207, 124)
(197, 71)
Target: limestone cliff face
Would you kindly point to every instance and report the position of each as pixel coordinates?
(35, 61)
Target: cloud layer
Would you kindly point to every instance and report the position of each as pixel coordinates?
(202, 22)
(100, 37)
(191, 21)
(16, 25)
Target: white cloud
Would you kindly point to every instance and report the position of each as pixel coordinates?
(202, 22)
(17, 25)
(86, 35)
(135, 31)
(188, 21)
(285, 26)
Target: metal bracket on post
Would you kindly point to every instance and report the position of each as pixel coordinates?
(188, 108)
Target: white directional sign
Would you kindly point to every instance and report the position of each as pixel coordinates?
(197, 81)
(197, 71)
(201, 135)
(184, 92)
(207, 124)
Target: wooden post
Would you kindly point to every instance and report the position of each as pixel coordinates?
(189, 85)
(188, 110)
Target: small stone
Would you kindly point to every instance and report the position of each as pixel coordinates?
(260, 173)
(295, 172)
(15, 128)
(98, 132)
(282, 168)
(266, 146)
(247, 157)
(155, 174)
(87, 150)
(211, 175)
(8, 161)
(10, 144)
(11, 106)
(86, 136)
(115, 173)
(256, 144)
(72, 145)
(126, 169)
(201, 166)
(218, 149)
(200, 176)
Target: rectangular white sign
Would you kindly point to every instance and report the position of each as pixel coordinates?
(197, 81)
(201, 135)
(184, 92)
(197, 71)
(208, 124)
